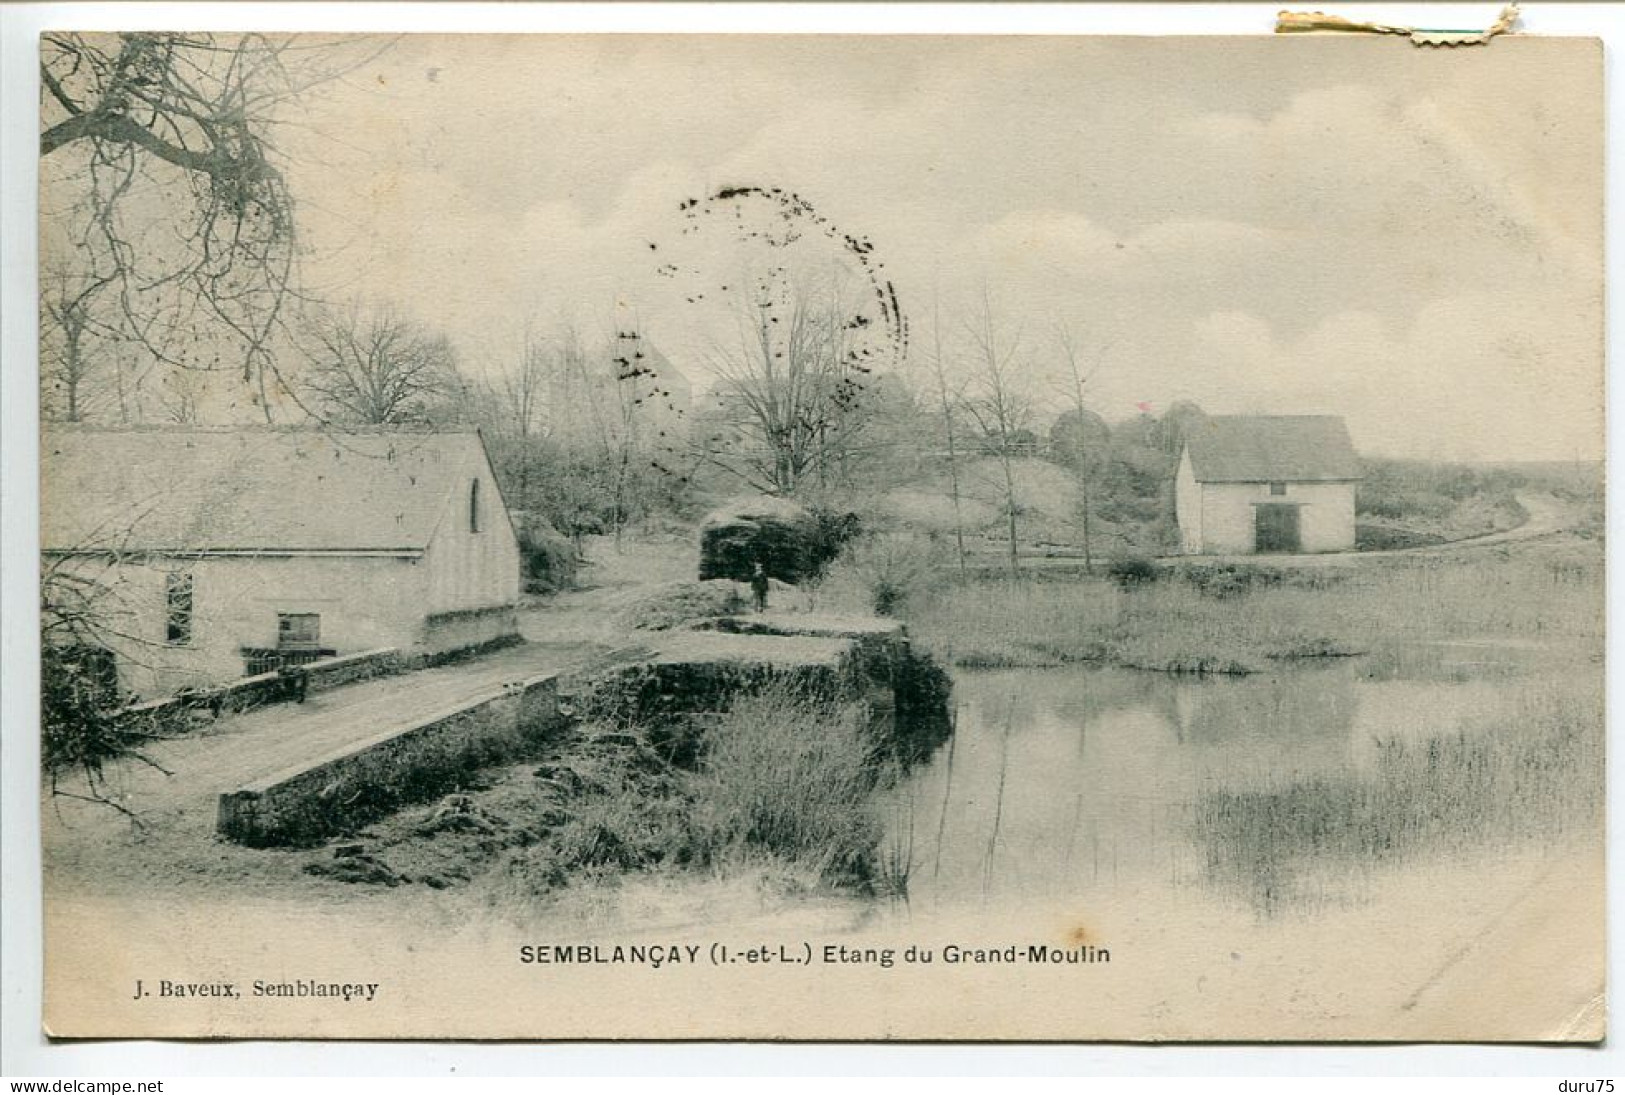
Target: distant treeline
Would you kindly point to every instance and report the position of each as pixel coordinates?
(1400, 489)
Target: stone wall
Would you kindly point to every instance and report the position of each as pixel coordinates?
(176, 714)
(906, 690)
(696, 674)
(348, 668)
(671, 690)
(468, 629)
(337, 793)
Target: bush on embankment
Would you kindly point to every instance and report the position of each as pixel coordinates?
(793, 779)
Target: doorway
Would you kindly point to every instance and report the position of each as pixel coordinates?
(1276, 529)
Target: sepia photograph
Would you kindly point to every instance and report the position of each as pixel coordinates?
(821, 537)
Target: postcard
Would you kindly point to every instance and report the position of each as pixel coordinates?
(822, 537)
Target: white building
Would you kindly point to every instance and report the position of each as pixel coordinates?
(1257, 484)
(202, 555)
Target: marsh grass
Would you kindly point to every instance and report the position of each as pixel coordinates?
(1533, 774)
(1238, 621)
(787, 783)
(791, 777)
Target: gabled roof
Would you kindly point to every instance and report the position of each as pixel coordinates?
(1266, 448)
(230, 490)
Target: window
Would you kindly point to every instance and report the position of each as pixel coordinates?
(474, 506)
(1277, 488)
(298, 630)
(178, 608)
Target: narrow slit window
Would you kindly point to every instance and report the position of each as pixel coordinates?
(474, 506)
(178, 608)
(1277, 488)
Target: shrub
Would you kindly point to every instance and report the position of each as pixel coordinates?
(1131, 571)
(78, 733)
(1225, 580)
(1399, 490)
(1383, 538)
(835, 531)
(882, 572)
(548, 560)
(1230, 580)
(923, 719)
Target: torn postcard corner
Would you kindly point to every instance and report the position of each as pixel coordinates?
(1294, 22)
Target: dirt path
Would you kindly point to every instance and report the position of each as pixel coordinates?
(1544, 516)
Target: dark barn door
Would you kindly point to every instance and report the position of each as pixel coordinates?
(1276, 529)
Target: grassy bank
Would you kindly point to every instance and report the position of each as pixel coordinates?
(1534, 773)
(1241, 619)
(786, 783)
(788, 786)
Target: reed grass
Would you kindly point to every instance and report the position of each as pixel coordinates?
(786, 781)
(1532, 774)
(1188, 621)
(791, 777)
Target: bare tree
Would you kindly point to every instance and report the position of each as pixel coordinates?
(517, 401)
(183, 395)
(84, 619)
(946, 403)
(161, 182)
(999, 408)
(578, 429)
(72, 358)
(1078, 370)
(618, 386)
(814, 320)
(635, 385)
(522, 392)
(788, 387)
(374, 367)
(1177, 424)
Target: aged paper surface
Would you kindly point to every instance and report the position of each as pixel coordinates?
(822, 538)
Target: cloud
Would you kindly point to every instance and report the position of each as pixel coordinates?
(1341, 215)
(1469, 378)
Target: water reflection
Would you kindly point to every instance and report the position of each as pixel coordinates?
(1276, 788)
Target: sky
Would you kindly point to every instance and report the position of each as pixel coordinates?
(1410, 238)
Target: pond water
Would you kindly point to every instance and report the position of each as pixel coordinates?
(1279, 792)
